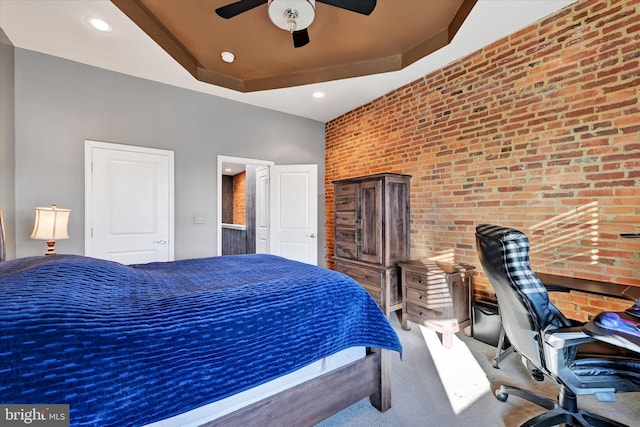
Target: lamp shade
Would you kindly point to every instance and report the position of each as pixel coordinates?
(51, 223)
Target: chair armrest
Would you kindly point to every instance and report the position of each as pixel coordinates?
(559, 352)
(567, 337)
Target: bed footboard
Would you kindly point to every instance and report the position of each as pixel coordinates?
(313, 401)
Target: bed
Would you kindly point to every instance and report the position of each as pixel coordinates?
(136, 345)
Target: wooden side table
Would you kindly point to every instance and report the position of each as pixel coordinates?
(437, 295)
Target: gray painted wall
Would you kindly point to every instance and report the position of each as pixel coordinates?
(60, 103)
(7, 135)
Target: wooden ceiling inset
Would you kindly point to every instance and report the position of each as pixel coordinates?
(343, 44)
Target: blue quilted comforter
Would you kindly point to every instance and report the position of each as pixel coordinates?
(129, 345)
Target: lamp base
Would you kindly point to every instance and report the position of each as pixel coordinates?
(51, 247)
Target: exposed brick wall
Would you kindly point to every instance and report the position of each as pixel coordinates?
(240, 198)
(539, 131)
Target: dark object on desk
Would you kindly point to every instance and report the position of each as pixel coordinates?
(630, 235)
(546, 339)
(619, 329)
(617, 323)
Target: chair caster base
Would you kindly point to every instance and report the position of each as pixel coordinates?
(555, 413)
(502, 397)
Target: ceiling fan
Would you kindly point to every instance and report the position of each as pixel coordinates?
(294, 15)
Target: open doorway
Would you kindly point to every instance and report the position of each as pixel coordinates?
(281, 210)
(236, 194)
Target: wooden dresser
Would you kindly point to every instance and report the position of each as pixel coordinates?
(437, 295)
(372, 224)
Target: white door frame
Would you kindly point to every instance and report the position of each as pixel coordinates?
(263, 230)
(229, 159)
(88, 189)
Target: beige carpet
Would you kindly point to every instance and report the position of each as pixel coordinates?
(434, 386)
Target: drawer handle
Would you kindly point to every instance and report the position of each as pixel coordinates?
(367, 277)
(420, 281)
(421, 297)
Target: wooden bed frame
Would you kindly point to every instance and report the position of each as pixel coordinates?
(315, 400)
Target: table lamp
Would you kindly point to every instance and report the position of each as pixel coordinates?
(51, 225)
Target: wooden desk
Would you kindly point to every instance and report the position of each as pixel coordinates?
(554, 282)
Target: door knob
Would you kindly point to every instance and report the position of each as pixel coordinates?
(162, 242)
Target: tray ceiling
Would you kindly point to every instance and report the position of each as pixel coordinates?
(343, 43)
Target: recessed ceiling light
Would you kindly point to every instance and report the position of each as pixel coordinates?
(228, 57)
(318, 94)
(100, 24)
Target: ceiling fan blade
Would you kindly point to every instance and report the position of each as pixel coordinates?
(300, 38)
(233, 9)
(364, 7)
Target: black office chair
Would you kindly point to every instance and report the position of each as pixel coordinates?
(547, 340)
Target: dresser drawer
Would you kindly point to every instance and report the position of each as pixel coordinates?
(345, 243)
(367, 277)
(345, 203)
(371, 280)
(438, 301)
(422, 313)
(345, 189)
(346, 251)
(420, 279)
(345, 235)
(345, 218)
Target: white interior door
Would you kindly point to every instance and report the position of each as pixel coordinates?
(294, 212)
(128, 203)
(262, 210)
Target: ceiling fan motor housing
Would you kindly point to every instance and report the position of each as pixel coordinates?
(292, 15)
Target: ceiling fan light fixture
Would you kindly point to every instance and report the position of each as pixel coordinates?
(292, 15)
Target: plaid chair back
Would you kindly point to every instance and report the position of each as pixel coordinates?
(525, 309)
